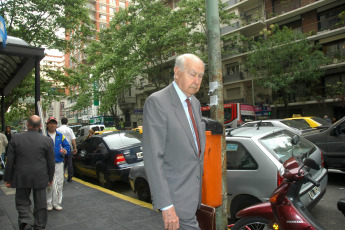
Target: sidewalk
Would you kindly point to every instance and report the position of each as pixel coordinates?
(87, 206)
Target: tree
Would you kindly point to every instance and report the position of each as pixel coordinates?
(142, 41)
(284, 59)
(44, 23)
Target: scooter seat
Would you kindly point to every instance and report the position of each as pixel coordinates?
(341, 205)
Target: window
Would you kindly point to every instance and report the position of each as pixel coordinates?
(329, 19)
(103, 8)
(102, 16)
(232, 68)
(237, 157)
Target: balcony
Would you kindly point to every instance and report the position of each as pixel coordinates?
(127, 102)
(291, 8)
(233, 77)
(228, 29)
(238, 3)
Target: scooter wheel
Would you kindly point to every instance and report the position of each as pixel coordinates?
(254, 223)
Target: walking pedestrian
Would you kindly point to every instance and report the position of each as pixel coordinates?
(68, 133)
(61, 149)
(174, 143)
(3, 145)
(30, 167)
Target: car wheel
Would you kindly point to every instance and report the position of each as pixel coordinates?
(143, 190)
(104, 180)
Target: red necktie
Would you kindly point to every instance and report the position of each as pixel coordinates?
(194, 124)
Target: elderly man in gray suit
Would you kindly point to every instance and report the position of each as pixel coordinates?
(174, 144)
(30, 166)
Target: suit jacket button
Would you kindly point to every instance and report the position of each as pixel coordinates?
(198, 178)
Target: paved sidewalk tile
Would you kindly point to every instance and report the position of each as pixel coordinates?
(85, 208)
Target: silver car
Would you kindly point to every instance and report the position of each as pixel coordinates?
(254, 163)
(294, 126)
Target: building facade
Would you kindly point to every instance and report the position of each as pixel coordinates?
(101, 13)
(319, 19)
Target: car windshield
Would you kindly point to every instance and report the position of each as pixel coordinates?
(279, 143)
(321, 121)
(295, 124)
(121, 140)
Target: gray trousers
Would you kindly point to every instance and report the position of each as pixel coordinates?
(23, 206)
(191, 224)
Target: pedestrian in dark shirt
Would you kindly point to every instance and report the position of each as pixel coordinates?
(30, 167)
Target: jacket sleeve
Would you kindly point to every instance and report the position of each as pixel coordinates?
(10, 164)
(66, 145)
(154, 138)
(50, 156)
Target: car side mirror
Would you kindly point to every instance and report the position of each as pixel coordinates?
(335, 131)
(311, 163)
(82, 153)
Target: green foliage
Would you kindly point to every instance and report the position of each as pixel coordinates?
(283, 58)
(41, 23)
(142, 41)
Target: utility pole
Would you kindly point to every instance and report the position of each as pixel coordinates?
(216, 96)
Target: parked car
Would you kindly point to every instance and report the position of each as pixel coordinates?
(139, 129)
(254, 162)
(108, 157)
(314, 122)
(83, 132)
(138, 181)
(332, 142)
(294, 126)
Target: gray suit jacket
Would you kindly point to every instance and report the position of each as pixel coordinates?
(173, 167)
(30, 160)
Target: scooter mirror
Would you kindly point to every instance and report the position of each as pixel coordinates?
(311, 163)
(295, 140)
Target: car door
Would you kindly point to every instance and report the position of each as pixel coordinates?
(91, 155)
(79, 159)
(336, 146)
(249, 171)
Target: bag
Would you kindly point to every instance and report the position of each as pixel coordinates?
(206, 217)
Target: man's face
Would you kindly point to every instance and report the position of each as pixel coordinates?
(189, 80)
(51, 126)
(8, 129)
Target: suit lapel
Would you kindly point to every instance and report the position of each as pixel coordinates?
(181, 115)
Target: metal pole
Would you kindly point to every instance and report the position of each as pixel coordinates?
(37, 84)
(216, 96)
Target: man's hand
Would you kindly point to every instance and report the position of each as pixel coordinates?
(74, 151)
(171, 221)
(8, 184)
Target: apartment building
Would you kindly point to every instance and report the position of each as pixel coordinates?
(53, 60)
(101, 13)
(318, 18)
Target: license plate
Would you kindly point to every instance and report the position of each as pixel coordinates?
(139, 154)
(314, 192)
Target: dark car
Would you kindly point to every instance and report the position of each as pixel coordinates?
(108, 157)
(332, 142)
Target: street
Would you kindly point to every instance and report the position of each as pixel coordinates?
(325, 211)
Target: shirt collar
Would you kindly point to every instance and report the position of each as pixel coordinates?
(180, 94)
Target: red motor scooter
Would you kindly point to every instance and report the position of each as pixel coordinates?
(284, 210)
